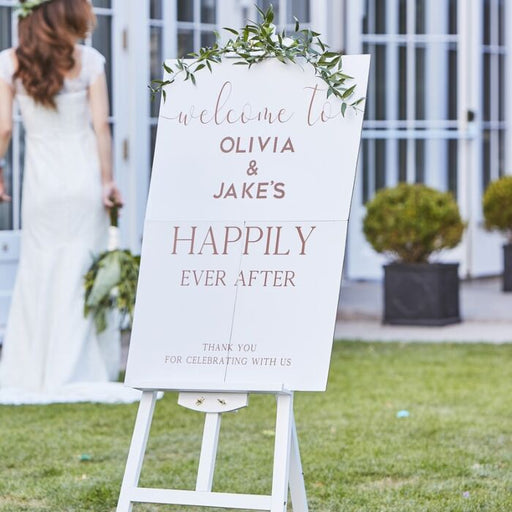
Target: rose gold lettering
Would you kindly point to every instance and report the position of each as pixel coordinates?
(185, 276)
(191, 239)
(209, 241)
(289, 278)
(197, 276)
(246, 190)
(227, 238)
(238, 148)
(279, 190)
(227, 144)
(266, 273)
(231, 192)
(302, 239)
(225, 90)
(263, 144)
(268, 237)
(249, 240)
(277, 244)
(240, 280)
(288, 146)
(220, 192)
(262, 190)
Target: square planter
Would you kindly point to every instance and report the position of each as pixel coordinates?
(421, 294)
(507, 268)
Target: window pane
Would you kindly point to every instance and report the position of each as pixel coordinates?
(420, 83)
(452, 166)
(102, 41)
(185, 42)
(420, 161)
(380, 78)
(207, 38)
(487, 87)
(486, 21)
(380, 16)
(501, 153)
(5, 28)
(452, 82)
(208, 11)
(402, 160)
(402, 82)
(156, 70)
(155, 10)
(185, 10)
(402, 17)
(420, 16)
(501, 86)
(452, 17)
(102, 3)
(501, 22)
(366, 144)
(380, 164)
(299, 9)
(486, 158)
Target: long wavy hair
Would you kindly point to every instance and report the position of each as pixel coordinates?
(45, 50)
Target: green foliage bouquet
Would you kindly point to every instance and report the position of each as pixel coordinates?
(411, 222)
(497, 205)
(111, 281)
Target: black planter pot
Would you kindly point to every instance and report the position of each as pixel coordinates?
(421, 294)
(507, 268)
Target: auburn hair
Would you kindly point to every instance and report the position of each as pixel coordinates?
(45, 50)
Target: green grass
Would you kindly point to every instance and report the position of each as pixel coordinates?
(453, 452)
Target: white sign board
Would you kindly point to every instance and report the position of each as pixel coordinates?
(245, 231)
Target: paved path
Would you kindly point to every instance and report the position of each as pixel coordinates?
(485, 309)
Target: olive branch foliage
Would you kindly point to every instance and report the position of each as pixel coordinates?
(258, 41)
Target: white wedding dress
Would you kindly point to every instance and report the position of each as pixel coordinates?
(51, 353)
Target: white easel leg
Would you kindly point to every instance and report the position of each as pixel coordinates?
(137, 450)
(297, 486)
(209, 445)
(284, 419)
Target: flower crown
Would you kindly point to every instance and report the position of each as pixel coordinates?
(25, 9)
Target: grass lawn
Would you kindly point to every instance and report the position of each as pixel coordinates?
(452, 453)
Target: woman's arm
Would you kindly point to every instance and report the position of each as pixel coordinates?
(6, 98)
(98, 101)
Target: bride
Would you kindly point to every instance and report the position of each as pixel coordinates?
(51, 353)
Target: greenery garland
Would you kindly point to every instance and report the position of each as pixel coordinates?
(258, 41)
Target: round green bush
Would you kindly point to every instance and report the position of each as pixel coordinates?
(497, 204)
(410, 222)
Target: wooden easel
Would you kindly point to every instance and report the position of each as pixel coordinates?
(287, 470)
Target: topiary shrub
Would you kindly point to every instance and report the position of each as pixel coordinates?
(497, 204)
(410, 222)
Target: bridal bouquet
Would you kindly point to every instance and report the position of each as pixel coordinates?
(111, 281)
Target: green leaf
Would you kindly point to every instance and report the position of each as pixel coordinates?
(343, 109)
(348, 92)
(232, 30)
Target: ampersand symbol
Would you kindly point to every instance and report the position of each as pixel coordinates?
(252, 170)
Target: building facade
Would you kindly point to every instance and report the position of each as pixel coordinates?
(437, 105)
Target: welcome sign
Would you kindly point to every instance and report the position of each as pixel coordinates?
(245, 231)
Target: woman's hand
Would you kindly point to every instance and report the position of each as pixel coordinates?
(111, 195)
(4, 198)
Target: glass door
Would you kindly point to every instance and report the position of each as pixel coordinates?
(434, 111)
